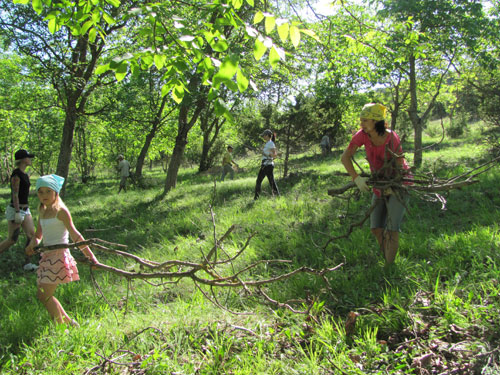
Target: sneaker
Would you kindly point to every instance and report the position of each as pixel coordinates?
(30, 267)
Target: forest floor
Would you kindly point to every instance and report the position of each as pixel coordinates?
(435, 311)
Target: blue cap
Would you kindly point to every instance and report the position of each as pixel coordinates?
(52, 181)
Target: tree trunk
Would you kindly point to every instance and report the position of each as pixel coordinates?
(157, 122)
(184, 126)
(208, 142)
(175, 162)
(205, 149)
(287, 153)
(414, 117)
(66, 144)
(144, 152)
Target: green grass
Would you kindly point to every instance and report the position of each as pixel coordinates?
(439, 298)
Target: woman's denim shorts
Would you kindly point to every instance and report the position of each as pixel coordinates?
(388, 212)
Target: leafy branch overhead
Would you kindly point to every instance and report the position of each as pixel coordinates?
(207, 38)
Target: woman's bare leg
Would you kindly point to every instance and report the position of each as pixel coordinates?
(13, 234)
(391, 245)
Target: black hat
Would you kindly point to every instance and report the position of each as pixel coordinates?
(21, 154)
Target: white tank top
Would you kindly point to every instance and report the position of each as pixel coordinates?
(54, 232)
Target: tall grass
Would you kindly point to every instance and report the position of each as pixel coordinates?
(439, 298)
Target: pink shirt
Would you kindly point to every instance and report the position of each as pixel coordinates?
(376, 154)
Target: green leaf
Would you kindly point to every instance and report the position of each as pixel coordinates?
(310, 33)
(283, 31)
(178, 93)
(180, 65)
(37, 6)
(295, 35)
(86, 26)
(135, 68)
(207, 63)
(21, 1)
(115, 3)
(220, 46)
(228, 68)
(148, 60)
(237, 4)
(229, 117)
(231, 85)
(50, 15)
(226, 73)
(53, 25)
(102, 69)
(92, 34)
(259, 16)
(270, 23)
(121, 72)
(212, 94)
(165, 89)
(109, 20)
(274, 57)
(160, 61)
(259, 49)
(96, 17)
(241, 80)
(251, 3)
(219, 107)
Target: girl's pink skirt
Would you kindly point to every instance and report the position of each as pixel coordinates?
(57, 267)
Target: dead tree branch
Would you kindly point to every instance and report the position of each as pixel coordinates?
(424, 183)
(212, 270)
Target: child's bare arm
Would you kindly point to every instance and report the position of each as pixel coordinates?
(76, 236)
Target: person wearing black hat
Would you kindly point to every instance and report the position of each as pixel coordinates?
(267, 165)
(18, 213)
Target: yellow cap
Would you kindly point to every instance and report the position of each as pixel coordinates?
(373, 111)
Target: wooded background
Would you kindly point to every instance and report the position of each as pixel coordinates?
(84, 81)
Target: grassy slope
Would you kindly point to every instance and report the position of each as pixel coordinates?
(438, 306)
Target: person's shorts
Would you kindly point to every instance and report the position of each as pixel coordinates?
(388, 212)
(10, 213)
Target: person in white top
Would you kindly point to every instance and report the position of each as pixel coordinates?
(55, 226)
(124, 168)
(267, 166)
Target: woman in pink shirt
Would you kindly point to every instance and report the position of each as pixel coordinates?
(382, 149)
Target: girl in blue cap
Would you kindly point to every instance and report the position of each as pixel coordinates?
(55, 226)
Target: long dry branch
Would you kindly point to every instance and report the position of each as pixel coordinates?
(205, 272)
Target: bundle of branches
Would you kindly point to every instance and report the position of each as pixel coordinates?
(392, 179)
(209, 270)
(399, 179)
